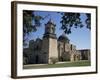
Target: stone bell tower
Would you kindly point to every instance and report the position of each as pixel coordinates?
(50, 42)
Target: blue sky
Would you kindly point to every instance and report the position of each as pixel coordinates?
(79, 37)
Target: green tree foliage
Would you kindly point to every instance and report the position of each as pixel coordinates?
(54, 60)
(88, 21)
(31, 22)
(70, 20)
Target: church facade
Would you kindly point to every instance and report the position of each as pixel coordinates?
(42, 51)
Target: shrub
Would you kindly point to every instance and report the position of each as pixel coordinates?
(54, 60)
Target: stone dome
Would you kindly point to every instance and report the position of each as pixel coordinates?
(38, 39)
(31, 41)
(63, 38)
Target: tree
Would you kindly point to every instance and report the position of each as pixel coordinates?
(88, 21)
(54, 60)
(31, 22)
(70, 20)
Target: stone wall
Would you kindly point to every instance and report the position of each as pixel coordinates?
(41, 51)
(85, 54)
(53, 51)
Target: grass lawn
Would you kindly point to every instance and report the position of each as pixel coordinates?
(65, 64)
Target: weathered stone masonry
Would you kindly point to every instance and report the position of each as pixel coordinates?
(42, 50)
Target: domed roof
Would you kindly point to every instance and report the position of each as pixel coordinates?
(31, 41)
(38, 39)
(63, 38)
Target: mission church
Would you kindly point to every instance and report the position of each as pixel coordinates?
(41, 51)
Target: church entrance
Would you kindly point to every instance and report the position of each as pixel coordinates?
(37, 59)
